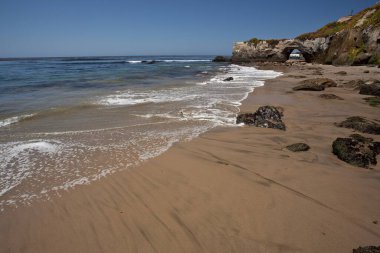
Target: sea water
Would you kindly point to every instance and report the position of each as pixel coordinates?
(70, 121)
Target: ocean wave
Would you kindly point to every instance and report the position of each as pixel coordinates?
(133, 98)
(215, 100)
(15, 119)
(167, 61)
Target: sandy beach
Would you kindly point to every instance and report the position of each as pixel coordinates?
(233, 189)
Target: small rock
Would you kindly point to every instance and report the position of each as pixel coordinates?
(342, 73)
(317, 73)
(375, 222)
(366, 71)
(316, 84)
(297, 76)
(265, 116)
(228, 79)
(330, 96)
(298, 147)
(356, 150)
(367, 249)
(360, 124)
(370, 89)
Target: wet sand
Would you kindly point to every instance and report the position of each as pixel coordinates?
(229, 190)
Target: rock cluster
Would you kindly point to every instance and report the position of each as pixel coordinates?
(356, 150)
(265, 116)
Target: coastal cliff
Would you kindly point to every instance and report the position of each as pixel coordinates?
(351, 40)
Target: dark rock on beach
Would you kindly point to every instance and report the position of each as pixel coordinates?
(298, 147)
(297, 76)
(316, 84)
(330, 96)
(265, 116)
(354, 84)
(367, 249)
(228, 79)
(342, 73)
(356, 150)
(360, 124)
(221, 59)
(370, 89)
(310, 87)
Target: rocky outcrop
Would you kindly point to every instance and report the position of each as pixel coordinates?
(350, 41)
(265, 116)
(277, 50)
(356, 150)
(360, 124)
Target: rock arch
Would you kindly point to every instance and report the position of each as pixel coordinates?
(307, 54)
(270, 51)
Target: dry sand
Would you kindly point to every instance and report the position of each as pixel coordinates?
(230, 190)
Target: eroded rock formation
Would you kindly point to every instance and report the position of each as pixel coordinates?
(351, 40)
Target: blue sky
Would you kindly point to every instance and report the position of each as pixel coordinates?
(30, 28)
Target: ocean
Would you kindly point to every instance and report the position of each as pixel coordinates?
(70, 121)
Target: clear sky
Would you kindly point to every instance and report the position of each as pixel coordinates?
(31, 28)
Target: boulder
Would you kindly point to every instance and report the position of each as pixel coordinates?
(360, 124)
(221, 59)
(315, 84)
(228, 79)
(370, 89)
(367, 249)
(265, 116)
(356, 150)
(298, 147)
(330, 96)
(354, 84)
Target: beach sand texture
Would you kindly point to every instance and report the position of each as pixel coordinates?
(229, 190)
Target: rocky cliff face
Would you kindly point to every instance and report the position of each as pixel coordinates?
(351, 40)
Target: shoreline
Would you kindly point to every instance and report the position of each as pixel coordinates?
(228, 190)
